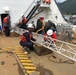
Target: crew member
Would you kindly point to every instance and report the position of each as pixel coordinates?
(49, 35)
(23, 22)
(6, 25)
(40, 26)
(49, 25)
(27, 37)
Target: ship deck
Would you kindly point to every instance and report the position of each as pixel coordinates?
(42, 62)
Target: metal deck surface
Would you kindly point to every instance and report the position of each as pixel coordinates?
(64, 68)
(8, 41)
(11, 44)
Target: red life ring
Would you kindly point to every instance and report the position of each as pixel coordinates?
(46, 1)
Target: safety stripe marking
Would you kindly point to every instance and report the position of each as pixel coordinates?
(21, 55)
(23, 58)
(28, 71)
(27, 64)
(29, 68)
(24, 61)
(18, 51)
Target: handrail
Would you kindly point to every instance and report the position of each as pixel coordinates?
(28, 8)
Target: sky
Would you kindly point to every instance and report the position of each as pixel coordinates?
(60, 0)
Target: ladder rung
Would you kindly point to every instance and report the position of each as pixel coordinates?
(29, 68)
(17, 51)
(28, 71)
(21, 55)
(23, 58)
(27, 64)
(24, 61)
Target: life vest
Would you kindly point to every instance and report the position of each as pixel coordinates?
(30, 36)
(54, 36)
(46, 1)
(5, 20)
(23, 38)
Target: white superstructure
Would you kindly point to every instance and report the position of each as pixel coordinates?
(15, 8)
(33, 10)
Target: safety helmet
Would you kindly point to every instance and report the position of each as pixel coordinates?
(30, 26)
(49, 32)
(22, 14)
(42, 18)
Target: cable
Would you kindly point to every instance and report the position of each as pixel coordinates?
(54, 59)
(72, 41)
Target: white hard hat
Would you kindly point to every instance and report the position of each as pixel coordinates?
(30, 26)
(22, 15)
(6, 8)
(49, 32)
